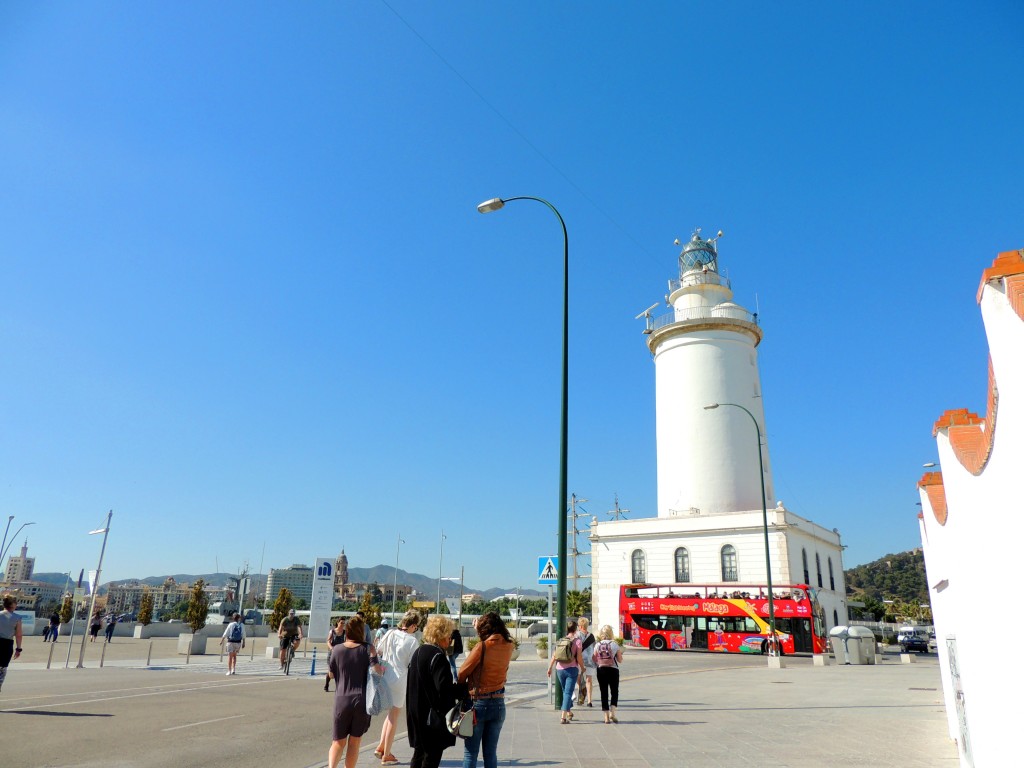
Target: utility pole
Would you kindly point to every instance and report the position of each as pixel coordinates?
(617, 512)
(575, 549)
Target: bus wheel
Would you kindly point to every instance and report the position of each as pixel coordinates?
(657, 643)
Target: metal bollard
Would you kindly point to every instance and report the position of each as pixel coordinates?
(188, 653)
(50, 657)
(103, 654)
(252, 651)
(150, 654)
(312, 669)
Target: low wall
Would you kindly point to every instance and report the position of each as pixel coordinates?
(157, 629)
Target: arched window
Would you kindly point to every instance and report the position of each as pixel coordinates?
(807, 570)
(682, 565)
(817, 562)
(729, 570)
(639, 567)
(831, 576)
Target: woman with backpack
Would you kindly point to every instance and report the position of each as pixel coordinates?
(234, 635)
(607, 657)
(568, 659)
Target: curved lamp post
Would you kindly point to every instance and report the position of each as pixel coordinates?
(495, 204)
(764, 517)
(3, 550)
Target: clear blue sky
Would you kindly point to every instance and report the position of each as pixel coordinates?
(247, 300)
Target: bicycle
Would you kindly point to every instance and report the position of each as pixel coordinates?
(290, 655)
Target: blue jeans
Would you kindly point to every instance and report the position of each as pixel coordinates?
(490, 714)
(567, 679)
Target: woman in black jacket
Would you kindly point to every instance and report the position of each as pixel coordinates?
(431, 692)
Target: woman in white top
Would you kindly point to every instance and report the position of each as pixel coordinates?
(395, 650)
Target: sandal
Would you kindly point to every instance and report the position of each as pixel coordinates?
(389, 760)
(379, 754)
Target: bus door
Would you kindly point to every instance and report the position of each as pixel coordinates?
(803, 640)
(700, 633)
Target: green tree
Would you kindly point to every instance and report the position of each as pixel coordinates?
(577, 603)
(66, 609)
(282, 605)
(370, 609)
(198, 606)
(146, 607)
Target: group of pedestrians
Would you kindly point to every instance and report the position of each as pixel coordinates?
(422, 678)
(577, 658)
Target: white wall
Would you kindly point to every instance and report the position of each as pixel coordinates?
(975, 550)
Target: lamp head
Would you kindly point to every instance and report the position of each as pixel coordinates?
(711, 407)
(929, 464)
(494, 204)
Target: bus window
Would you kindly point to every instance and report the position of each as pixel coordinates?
(631, 592)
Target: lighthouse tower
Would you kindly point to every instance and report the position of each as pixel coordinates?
(705, 352)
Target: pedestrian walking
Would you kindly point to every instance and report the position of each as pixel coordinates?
(111, 623)
(234, 637)
(334, 637)
(94, 626)
(10, 635)
(585, 684)
(430, 694)
(455, 649)
(350, 663)
(53, 628)
(395, 651)
(568, 660)
(607, 657)
(485, 670)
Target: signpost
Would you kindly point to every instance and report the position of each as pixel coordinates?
(547, 574)
(322, 600)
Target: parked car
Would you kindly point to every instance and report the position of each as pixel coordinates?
(913, 640)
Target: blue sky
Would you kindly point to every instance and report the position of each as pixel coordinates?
(248, 304)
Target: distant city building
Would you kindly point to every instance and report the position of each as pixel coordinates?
(19, 567)
(33, 594)
(297, 579)
(353, 592)
(127, 597)
(713, 469)
(967, 519)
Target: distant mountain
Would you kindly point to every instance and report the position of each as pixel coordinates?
(894, 576)
(381, 574)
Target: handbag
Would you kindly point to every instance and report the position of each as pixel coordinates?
(460, 723)
(378, 695)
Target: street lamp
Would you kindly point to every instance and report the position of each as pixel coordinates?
(10, 519)
(394, 589)
(440, 562)
(3, 549)
(105, 530)
(461, 578)
(764, 517)
(495, 204)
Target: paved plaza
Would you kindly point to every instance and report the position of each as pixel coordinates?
(676, 709)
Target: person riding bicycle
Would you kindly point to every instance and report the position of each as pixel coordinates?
(289, 633)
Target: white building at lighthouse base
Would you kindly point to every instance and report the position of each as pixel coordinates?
(688, 548)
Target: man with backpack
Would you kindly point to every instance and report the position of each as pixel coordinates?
(234, 635)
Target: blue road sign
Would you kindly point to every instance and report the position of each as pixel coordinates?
(547, 569)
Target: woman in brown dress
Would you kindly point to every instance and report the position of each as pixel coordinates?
(349, 664)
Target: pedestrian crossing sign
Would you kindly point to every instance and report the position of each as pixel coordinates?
(547, 569)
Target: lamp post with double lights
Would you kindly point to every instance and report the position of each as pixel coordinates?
(764, 517)
(495, 204)
(3, 549)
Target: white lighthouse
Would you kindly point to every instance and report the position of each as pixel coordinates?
(710, 526)
(705, 352)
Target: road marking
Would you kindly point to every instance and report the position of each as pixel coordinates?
(201, 722)
(135, 695)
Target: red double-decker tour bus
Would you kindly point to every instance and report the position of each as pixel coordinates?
(730, 618)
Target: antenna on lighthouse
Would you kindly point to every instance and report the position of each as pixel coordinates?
(647, 312)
